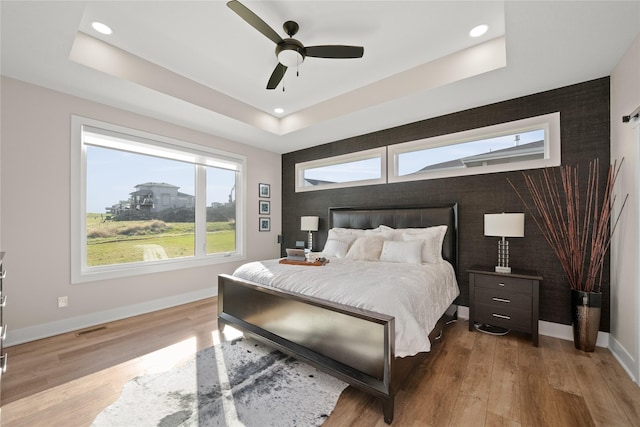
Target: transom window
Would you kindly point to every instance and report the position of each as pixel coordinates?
(523, 144)
(144, 203)
(349, 170)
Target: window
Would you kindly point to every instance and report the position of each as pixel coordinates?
(349, 170)
(523, 144)
(144, 203)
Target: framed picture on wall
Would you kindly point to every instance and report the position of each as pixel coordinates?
(264, 224)
(264, 207)
(264, 190)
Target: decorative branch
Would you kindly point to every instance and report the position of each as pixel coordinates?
(576, 226)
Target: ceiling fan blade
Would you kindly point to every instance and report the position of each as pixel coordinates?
(254, 20)
(276, 76)
(335, 51)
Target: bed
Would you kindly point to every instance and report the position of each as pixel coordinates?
(355, 342)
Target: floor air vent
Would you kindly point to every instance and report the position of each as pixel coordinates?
(89, 331)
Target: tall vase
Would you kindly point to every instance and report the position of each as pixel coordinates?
(585, 314)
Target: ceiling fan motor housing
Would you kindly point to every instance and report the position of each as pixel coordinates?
(291, 28)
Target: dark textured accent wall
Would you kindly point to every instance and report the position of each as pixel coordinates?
(584, 126)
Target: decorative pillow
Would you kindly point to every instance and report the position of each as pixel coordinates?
(402, 251)
(383, 232)
(432, 237)
(338, 246)
(365, 249)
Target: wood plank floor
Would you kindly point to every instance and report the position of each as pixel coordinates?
(471, 379)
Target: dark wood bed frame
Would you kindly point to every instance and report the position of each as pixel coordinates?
(354, 345)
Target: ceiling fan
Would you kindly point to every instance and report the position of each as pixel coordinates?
(289, 51)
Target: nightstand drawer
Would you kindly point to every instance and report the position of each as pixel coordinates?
(507, 317)
(501, 298)
(510, 284)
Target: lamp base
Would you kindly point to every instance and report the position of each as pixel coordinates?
(310, 239)
(500, 269)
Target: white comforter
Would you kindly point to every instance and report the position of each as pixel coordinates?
(415, 295)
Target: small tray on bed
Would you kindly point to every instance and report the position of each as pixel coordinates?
(316, 263)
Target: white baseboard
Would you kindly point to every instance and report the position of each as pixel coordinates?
(463, 312)
(550, 329)
(565, 332)
(32, 333)
(625, 359)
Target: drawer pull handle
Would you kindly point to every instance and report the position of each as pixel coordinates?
(501, 316)
(3, 332)
(501, 300)
(3, 301)
(500, 284)
(3, 274)
(5, 358)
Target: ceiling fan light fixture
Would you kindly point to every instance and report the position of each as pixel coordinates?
(290, 58)
(478, 30)
(290, 53)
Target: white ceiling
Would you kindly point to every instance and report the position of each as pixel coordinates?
(197, 64)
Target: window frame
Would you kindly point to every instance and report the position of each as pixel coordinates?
(201, 156)
(373, 153)
(552, 157)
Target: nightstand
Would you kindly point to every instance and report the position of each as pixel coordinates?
(508, 300)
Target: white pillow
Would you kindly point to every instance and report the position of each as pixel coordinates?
(432, 237)
(336, 233)
(338, 246)
(402, 251)
(365, 249)
(383, 232)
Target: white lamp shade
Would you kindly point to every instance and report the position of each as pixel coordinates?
(504, 225)
(309, 223)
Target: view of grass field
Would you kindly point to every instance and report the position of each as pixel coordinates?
(117, 242)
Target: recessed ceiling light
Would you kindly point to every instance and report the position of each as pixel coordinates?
(278, 110)
(479, 30)
(101, 28)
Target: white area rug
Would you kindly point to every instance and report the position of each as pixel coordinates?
(238, 383)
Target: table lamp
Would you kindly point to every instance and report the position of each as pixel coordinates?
(504, 225)
(309, 224)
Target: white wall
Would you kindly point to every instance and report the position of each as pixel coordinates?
(625, 250)
(35, 218)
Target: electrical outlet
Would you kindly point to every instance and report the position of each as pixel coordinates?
(63, 302)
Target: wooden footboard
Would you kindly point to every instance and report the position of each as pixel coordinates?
(353, 344)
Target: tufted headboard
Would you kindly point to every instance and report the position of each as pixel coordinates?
(403, 217)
